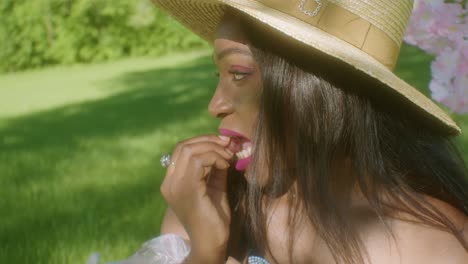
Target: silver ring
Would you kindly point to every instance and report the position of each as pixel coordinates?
(166, 160)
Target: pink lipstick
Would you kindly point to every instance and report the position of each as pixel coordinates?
(241, 146)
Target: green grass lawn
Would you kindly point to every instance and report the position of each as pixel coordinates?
(80, 148)
(79, 154)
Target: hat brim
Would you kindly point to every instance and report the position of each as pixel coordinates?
(203, 16)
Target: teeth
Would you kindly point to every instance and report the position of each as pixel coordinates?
(244, 153)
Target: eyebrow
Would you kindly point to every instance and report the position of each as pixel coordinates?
(229, 51)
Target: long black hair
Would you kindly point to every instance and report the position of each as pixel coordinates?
(331, 131)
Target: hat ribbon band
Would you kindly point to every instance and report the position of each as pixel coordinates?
(343, 24)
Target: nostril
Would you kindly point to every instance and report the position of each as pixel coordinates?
(219, 106)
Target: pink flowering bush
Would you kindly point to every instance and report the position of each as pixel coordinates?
(441, 29)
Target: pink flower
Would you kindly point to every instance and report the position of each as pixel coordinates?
(441, 29)
(448, 22)
(435, 25)
(449, 85)
(444, 66)
(420, 21)
(461, 79)
(442, 71)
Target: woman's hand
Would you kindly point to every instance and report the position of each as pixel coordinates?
(195, 189)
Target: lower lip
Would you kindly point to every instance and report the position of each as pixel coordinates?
(241, 165)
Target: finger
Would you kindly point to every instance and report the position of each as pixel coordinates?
(192, 173)
(188, 150)
(196, 154)
(217, 179)
(212, 170)
(213, 160)
(203, 147)
(203, 163)
(221, 140)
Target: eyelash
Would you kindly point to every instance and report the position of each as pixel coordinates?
(242, 74)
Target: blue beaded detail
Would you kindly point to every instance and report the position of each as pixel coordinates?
(256, 260)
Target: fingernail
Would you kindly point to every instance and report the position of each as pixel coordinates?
(230, 152)
(224, 138)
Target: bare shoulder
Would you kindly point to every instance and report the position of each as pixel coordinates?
(413, 242)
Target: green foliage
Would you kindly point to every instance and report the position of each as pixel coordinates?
(45, 32)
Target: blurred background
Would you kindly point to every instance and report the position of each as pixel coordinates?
(92, 93)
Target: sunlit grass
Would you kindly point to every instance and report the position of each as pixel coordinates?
(80, 148)
(81, 174)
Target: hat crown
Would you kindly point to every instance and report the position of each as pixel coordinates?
(363, 34)
(377, 27)
(390, 16)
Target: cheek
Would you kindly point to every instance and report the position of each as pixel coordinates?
(247, 106)
(247, 114)
(247, 95)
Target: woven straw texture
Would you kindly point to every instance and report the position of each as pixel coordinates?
(203, 16)
(389, 16)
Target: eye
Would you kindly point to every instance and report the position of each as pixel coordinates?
(238, 76)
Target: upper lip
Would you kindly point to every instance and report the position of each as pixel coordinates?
(230, 133)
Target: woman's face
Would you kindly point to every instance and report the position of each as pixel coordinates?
(236, 98)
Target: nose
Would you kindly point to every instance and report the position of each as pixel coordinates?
(219, 105)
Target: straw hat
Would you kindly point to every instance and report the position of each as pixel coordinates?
(364, 34)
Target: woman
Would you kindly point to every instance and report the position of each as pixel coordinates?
(324, 155)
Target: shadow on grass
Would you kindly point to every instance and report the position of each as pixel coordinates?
(154, 100)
